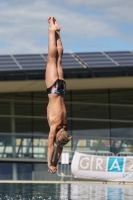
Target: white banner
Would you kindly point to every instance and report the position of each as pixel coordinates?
(102, 167)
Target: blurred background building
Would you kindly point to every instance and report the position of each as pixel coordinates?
(99, 102)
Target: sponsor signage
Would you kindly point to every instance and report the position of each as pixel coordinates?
(102, 167)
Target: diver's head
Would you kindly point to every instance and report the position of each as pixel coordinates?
(62, 138)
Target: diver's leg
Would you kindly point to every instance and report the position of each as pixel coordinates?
(51, 76)
(51, 69)
(60, 53)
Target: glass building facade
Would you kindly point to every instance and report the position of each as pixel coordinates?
(98, 120)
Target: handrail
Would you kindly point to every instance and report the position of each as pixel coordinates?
(125, 154)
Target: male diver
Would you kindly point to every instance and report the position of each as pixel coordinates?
(56, 87)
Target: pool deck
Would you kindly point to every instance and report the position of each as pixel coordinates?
(68, 182)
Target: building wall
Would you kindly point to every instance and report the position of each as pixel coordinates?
(98, 120)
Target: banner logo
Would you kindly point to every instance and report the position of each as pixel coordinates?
(105, 164)
(84, 163)
(115, 164)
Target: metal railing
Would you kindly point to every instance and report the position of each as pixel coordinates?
(125, 154)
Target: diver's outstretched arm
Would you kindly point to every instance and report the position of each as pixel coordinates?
(57, 155)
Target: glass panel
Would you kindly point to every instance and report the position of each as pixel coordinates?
(5, 123)
(24, 171)
(40, 148)
(6, 149)
(121, 111)
(6, 171)
(23, 145)
(40, 126)
(23, 125)
(91, 140)
(90, 122)
(121, 145)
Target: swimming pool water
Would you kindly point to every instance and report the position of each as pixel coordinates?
(64, 191)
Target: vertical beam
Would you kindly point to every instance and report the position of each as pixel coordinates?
(4, 150)
(13, 137)
(99, 143)
(32, 139)
(20, 147)
(71, 114)
(109, 109)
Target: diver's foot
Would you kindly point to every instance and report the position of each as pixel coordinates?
(52, 26)
(57, 27)
(49, 18)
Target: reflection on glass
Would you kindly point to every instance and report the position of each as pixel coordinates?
(40, 148)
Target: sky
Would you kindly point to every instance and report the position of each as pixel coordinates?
(86, 25)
